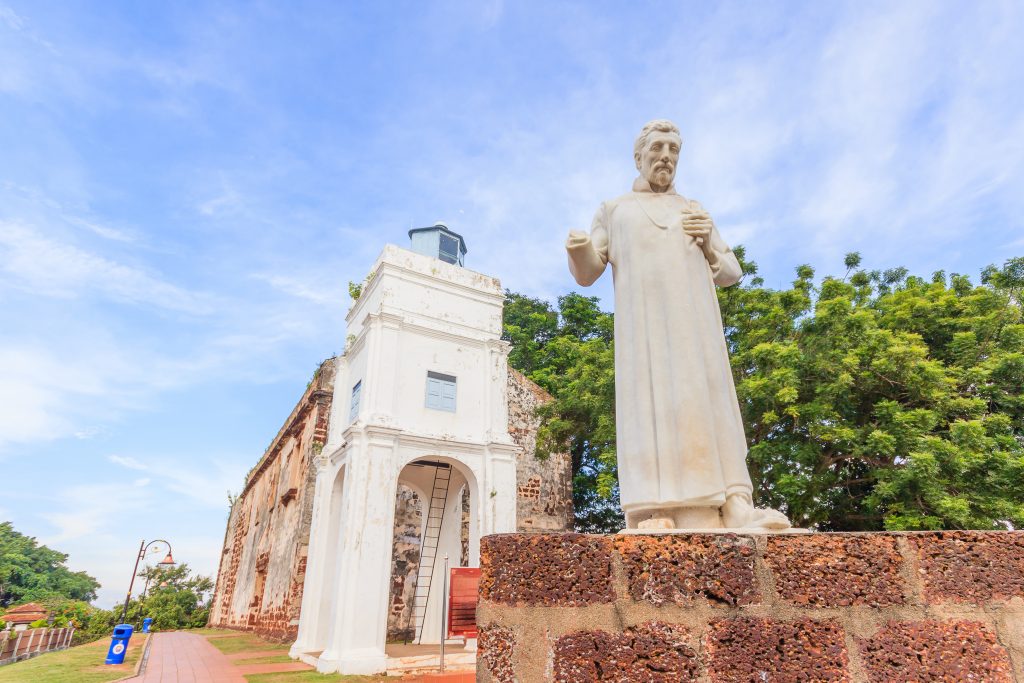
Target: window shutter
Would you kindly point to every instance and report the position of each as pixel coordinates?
(441, 391)
(448, 396)
(353, 410)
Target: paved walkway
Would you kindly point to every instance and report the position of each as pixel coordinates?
(180, 657)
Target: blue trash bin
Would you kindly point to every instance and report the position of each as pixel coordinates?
(119, 643)
(145, 624)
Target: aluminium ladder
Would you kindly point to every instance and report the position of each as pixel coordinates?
(428, 545)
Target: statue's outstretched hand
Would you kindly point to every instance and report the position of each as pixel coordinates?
(577, 238)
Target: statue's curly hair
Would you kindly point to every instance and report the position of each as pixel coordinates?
(657, 125)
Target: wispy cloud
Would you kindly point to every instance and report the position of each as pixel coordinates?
(207, 486)
(324, 291)
(11, 18)
(85, 510)
(48, 267)
(124, 461)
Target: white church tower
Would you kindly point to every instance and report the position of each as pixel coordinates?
(420, 399)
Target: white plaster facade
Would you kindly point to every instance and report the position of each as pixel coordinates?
(416, 314)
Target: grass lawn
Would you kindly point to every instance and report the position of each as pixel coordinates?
(81, 664)
(232, 642)
(270, 659)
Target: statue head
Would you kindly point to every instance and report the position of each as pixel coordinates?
(656, 152)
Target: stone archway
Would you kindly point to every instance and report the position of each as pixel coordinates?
(436, 514)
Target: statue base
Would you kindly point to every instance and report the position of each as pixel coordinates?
(752, 605)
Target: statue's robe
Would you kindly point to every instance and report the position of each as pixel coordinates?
(680, 438)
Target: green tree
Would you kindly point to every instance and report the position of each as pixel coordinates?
(877, 400)
(569, 352)
(32, 572)
(173, 597)
(874, 400)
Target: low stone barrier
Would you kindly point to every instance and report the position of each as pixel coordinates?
(879, 607)
(18, 645)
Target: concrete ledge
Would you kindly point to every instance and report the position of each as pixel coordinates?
(356, 662)
(878, 607)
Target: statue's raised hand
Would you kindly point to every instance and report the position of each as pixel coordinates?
(577, 238)
(697, 224)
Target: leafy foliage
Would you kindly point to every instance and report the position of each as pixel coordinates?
(30, 572)
(875, 400)
(570, 353)
(174, 598)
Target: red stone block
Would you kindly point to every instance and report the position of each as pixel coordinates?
(756, 649)
(933, 652)
(546, 569)
(836, 570)
(971, 566)
(494, 650)
(681, 568)
(654, 652)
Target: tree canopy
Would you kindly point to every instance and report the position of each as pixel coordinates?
(30, 572)
(175, 598)
(872, 400)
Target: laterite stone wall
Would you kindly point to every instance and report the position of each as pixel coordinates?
(878, 607)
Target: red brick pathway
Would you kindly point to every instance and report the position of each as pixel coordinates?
(180, 657)
(447, 677)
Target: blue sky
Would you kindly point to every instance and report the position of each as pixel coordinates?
(186, 190)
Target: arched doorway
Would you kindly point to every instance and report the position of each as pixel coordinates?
(436, 514)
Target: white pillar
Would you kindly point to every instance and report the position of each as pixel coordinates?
(311, 614)
(359, 621)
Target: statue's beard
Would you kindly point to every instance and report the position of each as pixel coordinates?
(660, 178)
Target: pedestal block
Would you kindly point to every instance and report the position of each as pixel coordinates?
(878, 607)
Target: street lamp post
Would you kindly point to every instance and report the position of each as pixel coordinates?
(143, 547)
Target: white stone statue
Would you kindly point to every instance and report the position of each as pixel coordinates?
(680, 443)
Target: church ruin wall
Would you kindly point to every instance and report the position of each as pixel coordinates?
(263, 561)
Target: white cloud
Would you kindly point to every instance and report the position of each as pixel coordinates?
(207, 486)
(11, 18)
(89, 510)
(129, 462)
(49, 267)
(323, 291)
(105, 231)
(228, 202)
(37, 393)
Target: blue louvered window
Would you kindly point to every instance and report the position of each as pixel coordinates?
(448, 249)
(441, 391)
(353, 409)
